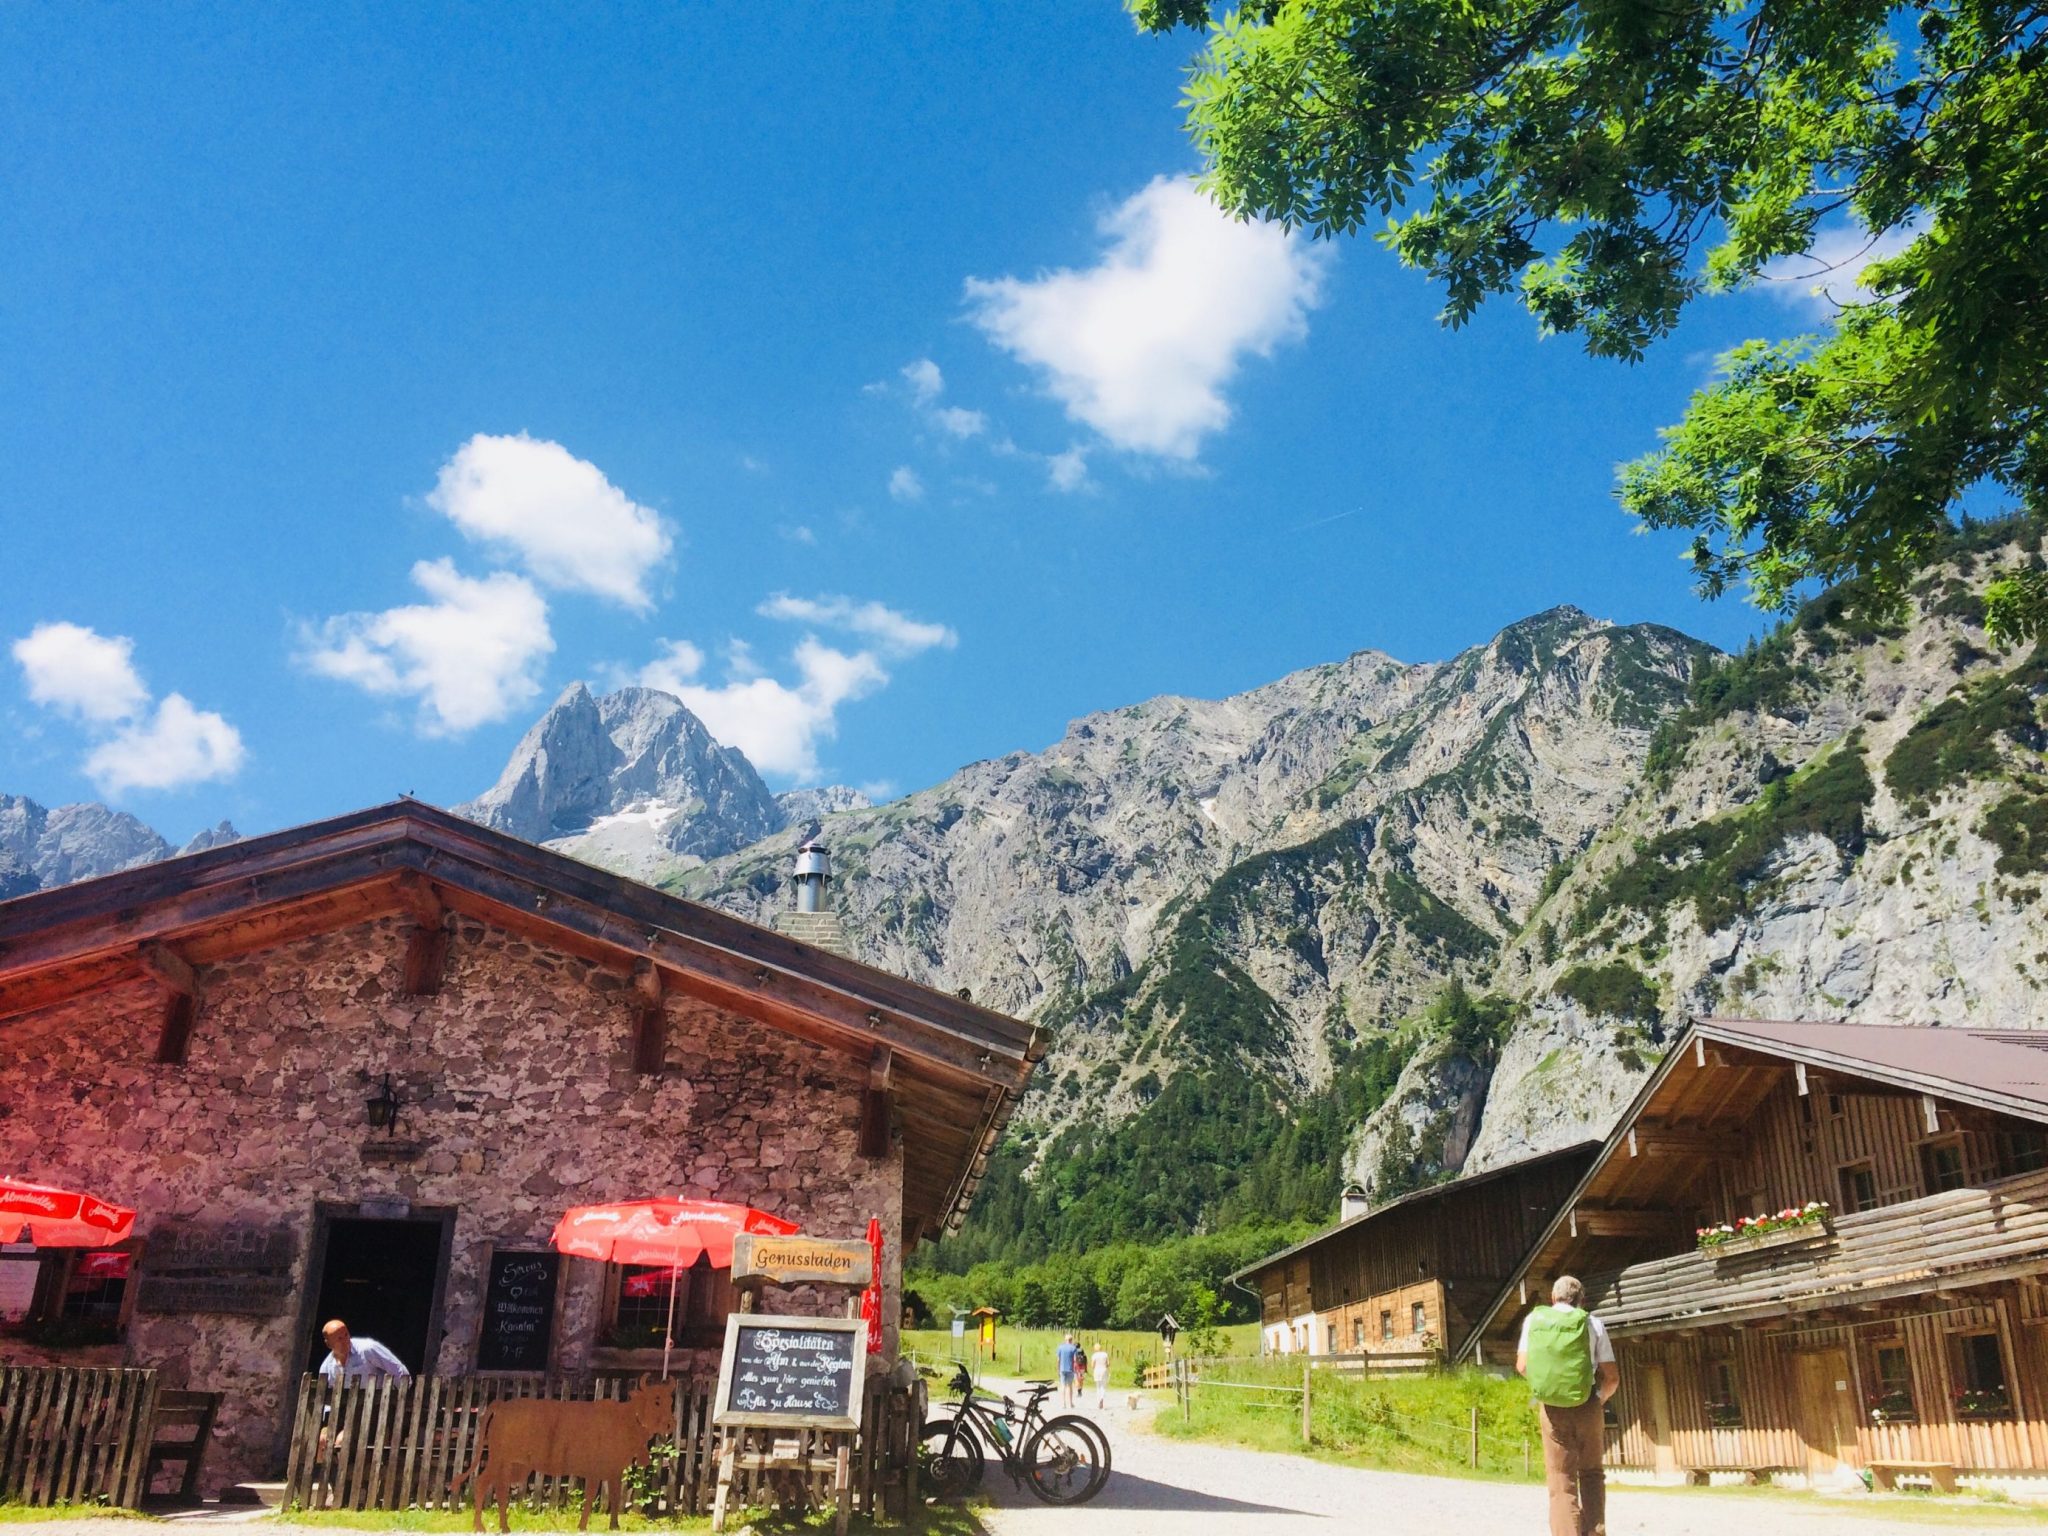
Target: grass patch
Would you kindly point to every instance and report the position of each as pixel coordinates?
(2017, 826)
(31, 1514)
(1416, 1424)
(1027, 1353)
(934, 1520)
(1957, 740)
(1714, 864)
(1616, 990)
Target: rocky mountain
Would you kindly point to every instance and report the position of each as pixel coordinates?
(630, 780)
(1250, 884)
(1849, 821)
(40, 848)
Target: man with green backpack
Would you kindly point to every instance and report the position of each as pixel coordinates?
(1569, 1361)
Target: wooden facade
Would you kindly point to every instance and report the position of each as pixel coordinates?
(1420, 1267)
(1912, 1326)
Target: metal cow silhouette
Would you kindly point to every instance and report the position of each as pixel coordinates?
(593, 1441)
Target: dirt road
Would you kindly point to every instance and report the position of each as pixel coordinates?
(1164, 1487)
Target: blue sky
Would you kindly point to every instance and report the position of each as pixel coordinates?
(865, 370)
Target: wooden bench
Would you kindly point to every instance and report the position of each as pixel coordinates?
(190, 1416)
(1884, 1475)
(1756, 1475)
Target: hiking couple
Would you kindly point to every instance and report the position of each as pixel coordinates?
(1569, 1361)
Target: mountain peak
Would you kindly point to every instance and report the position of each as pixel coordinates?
(630, 779)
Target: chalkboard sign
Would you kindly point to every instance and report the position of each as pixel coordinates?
(800, 1372)
(519, 1312)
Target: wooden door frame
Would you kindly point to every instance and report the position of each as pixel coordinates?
(325, 1214)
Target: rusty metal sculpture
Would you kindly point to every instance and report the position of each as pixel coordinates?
(595, 1442)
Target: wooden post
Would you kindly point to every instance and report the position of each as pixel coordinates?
(1307, 1436)
(1526, 1469)
(1475, 1434)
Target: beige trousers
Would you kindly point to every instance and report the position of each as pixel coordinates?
(1573, 1440)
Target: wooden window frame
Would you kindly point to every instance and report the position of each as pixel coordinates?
(1934, 1145)
(700, 1333)
(1958, 1362)
(1874, 1350)
(1724, 1377)
(1860, 1165)
(1386, 1325)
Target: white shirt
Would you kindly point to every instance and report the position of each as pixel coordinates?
(1596, 1331)
(1099, 1362)
(366, 1357)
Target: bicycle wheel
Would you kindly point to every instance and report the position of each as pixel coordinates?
(1067, 1461)
(953, 1460)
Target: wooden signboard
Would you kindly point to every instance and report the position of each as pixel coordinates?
(798, 1260)
(229, 1269)
(791, 1372)
(519, 1311)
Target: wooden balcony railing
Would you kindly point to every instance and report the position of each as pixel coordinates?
(1980, 1234)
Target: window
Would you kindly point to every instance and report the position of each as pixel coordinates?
(1980, 1389)
(1835, 1106)
(1418, 1319)
(1724, 1402)
(1358, 1335)
(97, 1291)
(1386, 1326)
(1859, 1188)
(640, 1310)
(1890, 1381)
(1941, 1165)
(2021, 1152)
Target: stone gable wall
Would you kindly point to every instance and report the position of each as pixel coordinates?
(517, 1078)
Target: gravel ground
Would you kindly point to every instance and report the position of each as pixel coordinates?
(1165, 1487)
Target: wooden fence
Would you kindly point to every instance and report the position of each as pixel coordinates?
(409, 1444)
(71, 1435)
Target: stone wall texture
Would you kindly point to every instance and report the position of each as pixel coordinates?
(517, 1080)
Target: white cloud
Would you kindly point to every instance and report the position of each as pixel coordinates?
(1829, 274)
(556, 514)
(92, 677)
(176, 746)
(896, 633)
(1140, 345)
(1068, 471)
(81, 672)
(904, 484)
(676, 666)
(470, 656)
(925, 381)
(959, 421)
(778, 725)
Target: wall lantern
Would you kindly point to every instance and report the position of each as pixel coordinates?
(381, 1108)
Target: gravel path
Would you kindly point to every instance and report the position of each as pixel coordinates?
(1165, 1487)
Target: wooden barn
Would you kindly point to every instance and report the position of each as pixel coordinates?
(1409, 1277)
(359, 1069)
(1891, 1312)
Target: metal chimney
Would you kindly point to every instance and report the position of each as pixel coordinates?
(813, 869)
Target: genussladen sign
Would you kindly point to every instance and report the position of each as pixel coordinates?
(799, 1260)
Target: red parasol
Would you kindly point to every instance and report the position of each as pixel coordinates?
(671, 1232)
(59, 1218)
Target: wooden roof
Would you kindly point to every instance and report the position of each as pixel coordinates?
(1715, 1076)
(1451, 1189)
(955, 1069)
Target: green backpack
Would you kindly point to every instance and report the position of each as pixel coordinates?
(1560, 1356)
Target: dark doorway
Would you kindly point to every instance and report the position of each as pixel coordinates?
(382, 1278)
